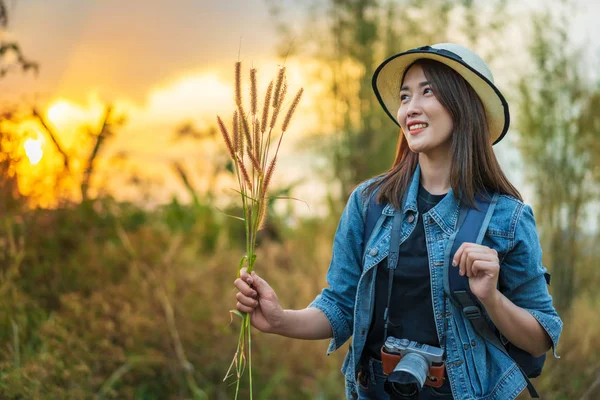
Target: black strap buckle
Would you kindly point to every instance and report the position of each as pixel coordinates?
(472, 312)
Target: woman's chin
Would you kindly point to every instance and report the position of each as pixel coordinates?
(417, 147)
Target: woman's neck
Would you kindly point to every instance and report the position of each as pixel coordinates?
(435, 173)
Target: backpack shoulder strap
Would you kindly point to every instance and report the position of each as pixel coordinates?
(472, 225)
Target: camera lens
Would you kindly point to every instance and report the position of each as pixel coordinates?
(402, 391)
(408, 378)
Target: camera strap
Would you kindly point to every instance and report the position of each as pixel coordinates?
(392, 263)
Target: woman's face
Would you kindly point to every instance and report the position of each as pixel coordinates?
(426, 124)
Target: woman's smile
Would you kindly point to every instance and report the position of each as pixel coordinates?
(416, 127)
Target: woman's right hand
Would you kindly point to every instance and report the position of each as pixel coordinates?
(256, 297)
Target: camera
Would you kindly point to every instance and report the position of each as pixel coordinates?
(410, 365)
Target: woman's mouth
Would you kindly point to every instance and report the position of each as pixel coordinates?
(417, 128)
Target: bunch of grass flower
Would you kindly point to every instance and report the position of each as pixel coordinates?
(254, 160)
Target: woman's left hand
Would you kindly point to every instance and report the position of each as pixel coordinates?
(482, 266)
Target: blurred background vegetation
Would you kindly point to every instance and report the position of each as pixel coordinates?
(111, 286)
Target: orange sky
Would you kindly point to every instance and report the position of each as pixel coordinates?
(162, 64)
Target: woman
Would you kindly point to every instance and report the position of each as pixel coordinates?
(450, 113)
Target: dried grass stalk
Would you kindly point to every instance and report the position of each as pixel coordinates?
(265, 114)
(279, 82)
(278, 108)
(255, 162)
(268, 175)
(291, 110)
(236, 132)
(262, 214)
(248, 136)
(244, 172)
(256, 133)
(253, 92)
(238, 84)
(246, 129)
(226, 137)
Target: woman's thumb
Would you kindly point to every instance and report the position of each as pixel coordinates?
(259, 283)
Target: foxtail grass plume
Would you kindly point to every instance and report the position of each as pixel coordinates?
(253, 93)
(236, 133)
(238, 84)
(246, 129)
(278, 83)
(251, 151)
(265, 114)
(278, 107)
(290, 113)
(226, 138)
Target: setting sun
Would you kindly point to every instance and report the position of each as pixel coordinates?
(33, 149)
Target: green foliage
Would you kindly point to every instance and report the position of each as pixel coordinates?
(350, 38)
(105, 332)
(85, 312)
(560, 129)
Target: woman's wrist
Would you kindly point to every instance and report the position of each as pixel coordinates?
(493, 302)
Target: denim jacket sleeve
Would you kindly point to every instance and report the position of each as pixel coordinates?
(522, 276)
(337, 300)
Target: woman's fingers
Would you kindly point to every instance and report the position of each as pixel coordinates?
(245, 276)
(486, 267)
(474, 255)
(245, 300)
(468, 253)
(243, 308)
(243, 284)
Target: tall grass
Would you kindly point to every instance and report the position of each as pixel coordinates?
(250, 148)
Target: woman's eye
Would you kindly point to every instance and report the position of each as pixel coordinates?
(427, 90)
(403, 97)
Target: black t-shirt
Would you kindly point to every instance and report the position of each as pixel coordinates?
(411, 310)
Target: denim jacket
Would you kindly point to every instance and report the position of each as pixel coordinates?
(476, 369)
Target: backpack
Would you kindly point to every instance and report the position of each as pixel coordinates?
(472, 224)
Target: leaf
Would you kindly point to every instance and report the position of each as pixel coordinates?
(244, 195)
(241, 264)
(236, 312)
(229, 215)
(251, 266)
(288, 198)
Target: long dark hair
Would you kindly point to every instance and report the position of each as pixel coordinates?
(474, 168)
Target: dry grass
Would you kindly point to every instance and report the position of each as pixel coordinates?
(253, 180)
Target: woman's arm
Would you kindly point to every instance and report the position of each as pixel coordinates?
(256, 296)
(520, 307)
(482, 267)
(309, 323)
(331, 314)
(517, 325)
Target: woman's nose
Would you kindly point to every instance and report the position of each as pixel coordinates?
(413, 108)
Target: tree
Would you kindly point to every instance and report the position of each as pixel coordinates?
(349, 38)
(560, 130)
(10, 199)
(6, 47)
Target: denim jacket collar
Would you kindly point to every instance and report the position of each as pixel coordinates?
(445, 213)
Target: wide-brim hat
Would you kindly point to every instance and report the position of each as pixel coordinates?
(387, 79)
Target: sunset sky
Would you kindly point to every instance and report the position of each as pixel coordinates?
(162, 64)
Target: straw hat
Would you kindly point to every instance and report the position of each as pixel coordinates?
(387, 79)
